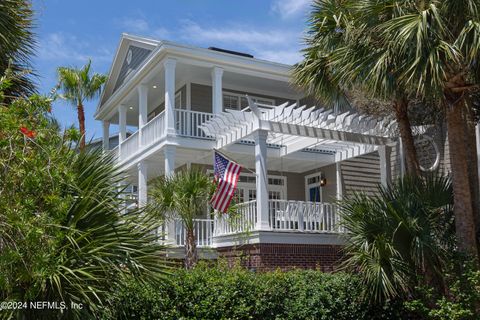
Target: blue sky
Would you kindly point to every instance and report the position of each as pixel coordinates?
(71, 32)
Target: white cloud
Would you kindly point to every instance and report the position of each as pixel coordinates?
(283, 56)
(280, 45)
(135, 25)
(161, 33)
(290, 8)
(243, 35)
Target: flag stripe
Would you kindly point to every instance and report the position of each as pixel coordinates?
(227, 173)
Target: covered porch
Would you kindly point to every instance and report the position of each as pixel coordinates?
(280, 133)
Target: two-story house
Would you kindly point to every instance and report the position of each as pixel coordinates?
(181, 102)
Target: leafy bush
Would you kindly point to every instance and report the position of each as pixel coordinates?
(63, 234)
(208, 292)
(407, 229)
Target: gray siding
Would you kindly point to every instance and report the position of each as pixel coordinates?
(161, 107)
(201, 97)
(361, 174)
(137, 57)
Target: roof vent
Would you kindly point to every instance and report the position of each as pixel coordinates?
(231, 52)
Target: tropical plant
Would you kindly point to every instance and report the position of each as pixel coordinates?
(63, 236)
(78, 86)
(17, 43)
(405, 230)
(340, 42)
(421, 50)
(437, 45)
(185, 196)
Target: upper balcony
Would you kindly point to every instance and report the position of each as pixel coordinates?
(160, 89)
(187, 124)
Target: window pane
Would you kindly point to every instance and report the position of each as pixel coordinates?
(243, 103)
(230, 102)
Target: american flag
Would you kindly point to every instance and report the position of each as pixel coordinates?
(226, 173)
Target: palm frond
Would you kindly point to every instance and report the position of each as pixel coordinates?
(407, 227)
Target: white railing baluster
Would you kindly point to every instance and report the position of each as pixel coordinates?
(188, 122)
(202, 229)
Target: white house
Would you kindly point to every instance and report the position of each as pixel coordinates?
(182, 102)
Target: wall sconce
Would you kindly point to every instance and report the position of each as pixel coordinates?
(323, 181)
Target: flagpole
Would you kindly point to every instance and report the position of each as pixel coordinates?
(227, 157)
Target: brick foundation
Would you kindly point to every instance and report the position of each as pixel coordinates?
(270, 256)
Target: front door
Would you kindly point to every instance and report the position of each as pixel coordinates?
(313, 187)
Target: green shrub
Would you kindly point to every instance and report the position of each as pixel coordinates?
(208, 292)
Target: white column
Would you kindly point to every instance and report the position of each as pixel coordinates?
(339, 181)
(122, 123)
(217, 96)
(385, 165)
(261, 180)
(142, 110)
(169, 151)
(142, 182)
(106, 135)
(169, 66)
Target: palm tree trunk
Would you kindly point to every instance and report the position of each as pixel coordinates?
(462, 192)
(81, 124)
(191, 250)
(401, 113)
(471, 143)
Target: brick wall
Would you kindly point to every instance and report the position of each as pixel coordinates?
(270, 256)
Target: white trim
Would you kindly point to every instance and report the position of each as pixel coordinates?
(271, 187)
(290, 237)
(239, 97)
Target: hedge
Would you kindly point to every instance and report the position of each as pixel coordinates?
(208, 292)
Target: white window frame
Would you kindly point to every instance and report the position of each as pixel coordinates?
(240, 96)
(252, 186)
(313, 185)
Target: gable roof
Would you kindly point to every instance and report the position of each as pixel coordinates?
(130, 54)
(127, 68)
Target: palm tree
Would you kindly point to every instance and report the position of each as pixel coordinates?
(408, 228)
(183, 196)
(341, 51)
(77, 86)
(17, 43)
(409, 50)
(437, 45)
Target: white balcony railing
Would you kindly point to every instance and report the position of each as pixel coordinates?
(243, 220)
(284, 215)
(153, 130)
(187, 123)
(303, 216)
(129, 146)
(202, 229)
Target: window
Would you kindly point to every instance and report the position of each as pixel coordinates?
(236, 101)
(247, 189)
(230, 102)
